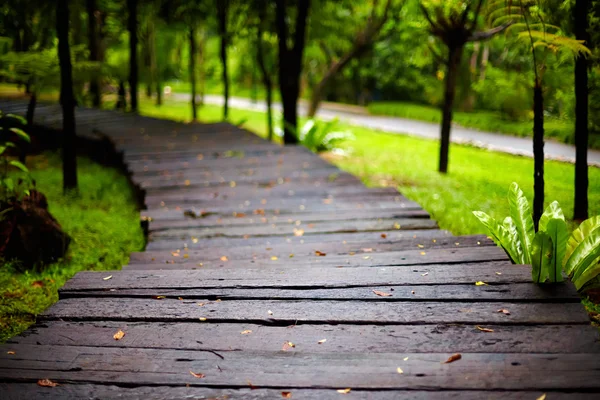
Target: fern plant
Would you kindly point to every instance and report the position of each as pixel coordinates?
(549, 250)
(319, 136)
(11, 190)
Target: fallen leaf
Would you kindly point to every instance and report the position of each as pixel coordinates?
(397, 226)
(423, 253)
(287, 346)
(542, 397)
(405, 358)
(186, 255)
(498, 273)
(196, 375)
(107, 278)
(504, 311)
(458, 244)
(46, 383)
(10, 352)
(420, 246)
(202, 319)
(119, 335)
(269, 312)
(201, 304)
(412, 292)
(224, 258)
(382, 294)
(187, 182)
(320, 253)
(452, 358)
(37, 284)
(344, 391)
(383, 235)
(366, 257)
(246, 332)
(479, 328)
(298, 232)
(425, 274)
(480, 283)
(291, 255)
(175, 253)
(158, 297)
(239, 215)
(399, 370)
(274, 258)
(368, 250)
(286, 395)
(232, 184)
(322, 341)
(180, 298)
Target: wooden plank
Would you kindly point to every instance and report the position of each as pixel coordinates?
(288, 229)
(139, 367)
(80, 391)
(303, 277)
(351, 237)
(284, 260)
(498, 292)
(339, 338)
(278, 312)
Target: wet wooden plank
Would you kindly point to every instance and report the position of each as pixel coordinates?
(339, 338)
(475, 371)
(278, 312)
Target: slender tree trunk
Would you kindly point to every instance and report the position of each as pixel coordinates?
(193, 71)
(29, 117)
(581, 114)
(159, 89)
(93, 46)
(66, 95)
(266, 77)
(122, 96)
(538, 153)
(222, 8)
(290, 65)
(484, 61)
(133, 59)
(454, 56)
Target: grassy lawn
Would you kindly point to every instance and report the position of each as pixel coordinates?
(560, 130)
(478, 179)
(103, 222)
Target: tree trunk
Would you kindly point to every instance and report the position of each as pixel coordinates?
(159, 90)
(66, 95)
(538, 153)
(266, 77)
(484, 61)
(133, 61)
(93, 47)
(581, 114)
(193, 71)
(122, 97)
(31, 109)
(454, 56)
(222, 6)
(290, 65)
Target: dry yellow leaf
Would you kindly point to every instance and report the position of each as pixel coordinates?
(405, 358)
(425, 274)
(383, 235)
(542, 397)
(382, 294)
(107, 278)
(274, 258)
(479, 328)
(420, 246)
(202, 319)
(366, 257)
(452, 358)
(186, 255)
(344, 391)
(286, 395)
(197, 375)
(480, 283)
(287, 346)
(119, 335)
(498, 273)
(224, 258)
(10, 352)
(246, 332)
(320, 253)
(322, 341)
(269, 312)
(194, 239)
(298, 232)
(46, 383)
(423, 253)
(367, 250)
(396, 226)
(504, 311)
(187, 182)
(399, 370)
(232, 184)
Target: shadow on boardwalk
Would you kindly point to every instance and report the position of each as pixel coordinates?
(270, 271)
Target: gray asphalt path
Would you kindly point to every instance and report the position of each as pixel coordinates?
(493, 141)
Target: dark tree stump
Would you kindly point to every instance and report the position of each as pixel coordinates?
(30, 234)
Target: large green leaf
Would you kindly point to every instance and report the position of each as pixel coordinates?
(501, 236)
(510, 240)
(557, 230)
(577, 236)
(541, 257)
(21, 133)
(19, 165)
(553, 211)
(521, 215)
(584, 260)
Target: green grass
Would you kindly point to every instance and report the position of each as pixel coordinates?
(478, 179)
(103, 222)
(557, 129)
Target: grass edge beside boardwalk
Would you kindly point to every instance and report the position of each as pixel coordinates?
(103, 222)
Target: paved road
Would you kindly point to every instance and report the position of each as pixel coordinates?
(353, 115)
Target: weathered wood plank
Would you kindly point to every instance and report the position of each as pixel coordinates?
(339, 338)
(296, 369)
(498, 292)
(278, 312)
(304, 277)
(79, 391)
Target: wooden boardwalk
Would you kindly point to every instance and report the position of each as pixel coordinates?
(270, 273)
